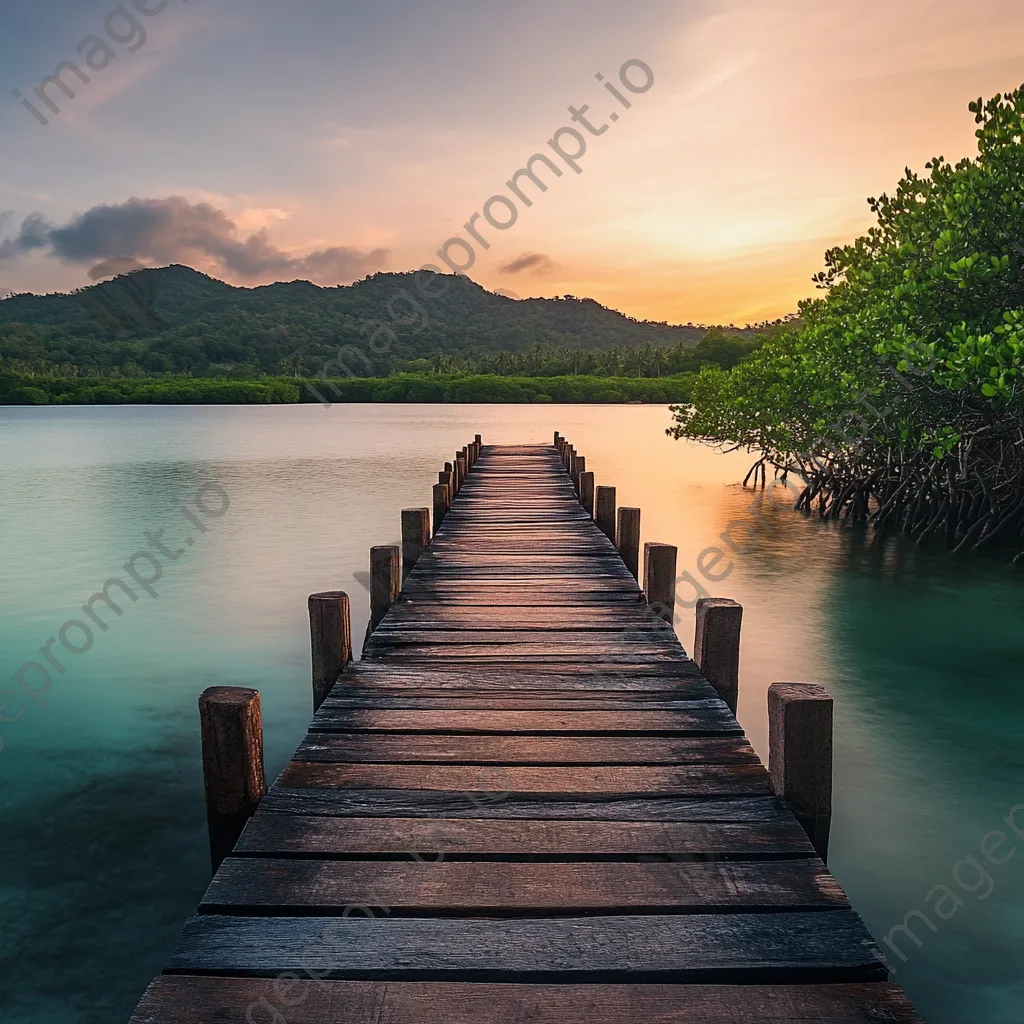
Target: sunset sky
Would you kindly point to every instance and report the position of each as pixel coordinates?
(327, 139)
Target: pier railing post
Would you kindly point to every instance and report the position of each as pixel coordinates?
(660, 579)
(627, 539)
(587, 492)
(384, 581)
(463, 470)
(456, 476)
(330, 640)
(578, 469)
(232, 731)
(558, 439)
(605, 515)
(415, 537)
(441, 502)
(800, 755)
(716, 646)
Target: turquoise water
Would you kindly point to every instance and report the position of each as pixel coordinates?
(103, 850)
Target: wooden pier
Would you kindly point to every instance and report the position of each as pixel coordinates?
(526, 803)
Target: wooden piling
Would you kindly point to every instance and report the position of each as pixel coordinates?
(330, 640)
(441, 502)
(456, 477)
(587, 492)
(605, 514)
(800, 755)
(463, 470)
(385, 583)
(660, 579)
(232, 736)
(716, 646)
(627, 539)
(415, 537)
(558, 438)
(579, 469)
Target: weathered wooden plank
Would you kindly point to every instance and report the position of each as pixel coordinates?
(345, 748)
(276, 834)
(411, 699)
(685, 780)
(205, 1000)
(826, 945)
(425, 803)
(263, 885)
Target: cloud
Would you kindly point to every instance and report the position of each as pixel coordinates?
(173, 230)
(535, 262)
(112, 268)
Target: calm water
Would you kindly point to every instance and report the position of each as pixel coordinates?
(103, 849)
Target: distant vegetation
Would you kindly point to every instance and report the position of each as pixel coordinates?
(900, 398)
(177, 321)
(402, 387)
(174, 335)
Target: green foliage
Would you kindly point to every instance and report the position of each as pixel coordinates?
(177, 321)
(18, 390)
(909, 369)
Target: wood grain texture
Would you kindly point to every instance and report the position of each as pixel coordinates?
(205, 1000)
(687, 780)
(245, 885)
(279, 834)
(826, 945)
(536, 751)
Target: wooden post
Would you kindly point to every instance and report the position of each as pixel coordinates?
(478, 440)
(441, 502)
(330, 640)
(445, 477)
(462, 470)
(384, 581)
(449, 468)
(456, 479)
(627, 539)
(558, 438)
(660, 579)
(800, 755)
(470, 451)
(232, 730)
(606, 512)
(415, 537)
(573, 459)
(587, 492)
(566, 449)
(716, 646)
(578, 470)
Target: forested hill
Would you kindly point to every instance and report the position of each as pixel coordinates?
(176, 320)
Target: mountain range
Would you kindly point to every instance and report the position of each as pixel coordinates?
(178, 320)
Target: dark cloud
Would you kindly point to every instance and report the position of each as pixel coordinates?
(112, 268)
(173, 230)
(536, 262)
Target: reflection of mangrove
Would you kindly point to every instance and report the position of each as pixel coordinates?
(406, 387)
(898, 396)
